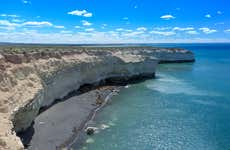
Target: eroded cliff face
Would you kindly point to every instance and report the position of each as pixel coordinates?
(29, 81)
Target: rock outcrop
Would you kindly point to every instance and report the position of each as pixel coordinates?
(33, 77)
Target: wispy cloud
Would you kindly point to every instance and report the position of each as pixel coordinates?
(192, 32)
(207, 30)
(83, 13)
(17, 20)
(59, 27)
(125, 18)
(119, 29)
(141, 29)
(9, 15)
(37, 24)
(165, 33)
(208, 16)
(183, 29)
(161, 28)
(86, 23)
(167, 17)
(227, 30)
(26, 2)
(33, 36)
(77, 27)
(41, 24)
(219, 12)
(89, 29)
(66, 32)
(8, 23)
(128, 30)
(6, 28)
(131, 34)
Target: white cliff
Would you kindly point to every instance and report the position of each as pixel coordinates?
(31, 80)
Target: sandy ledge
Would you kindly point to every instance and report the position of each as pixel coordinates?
(60, 125)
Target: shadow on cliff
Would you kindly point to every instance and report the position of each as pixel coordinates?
(26, 135)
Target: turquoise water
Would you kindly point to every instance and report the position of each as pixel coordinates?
(186, 107)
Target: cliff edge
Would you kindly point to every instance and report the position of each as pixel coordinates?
(33, 77)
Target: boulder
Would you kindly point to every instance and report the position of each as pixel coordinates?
(90, 130)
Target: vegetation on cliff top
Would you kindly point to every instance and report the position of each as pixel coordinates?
(27, 48)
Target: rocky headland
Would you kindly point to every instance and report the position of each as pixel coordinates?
(34, 77)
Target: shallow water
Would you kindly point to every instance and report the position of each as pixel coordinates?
(186, 107)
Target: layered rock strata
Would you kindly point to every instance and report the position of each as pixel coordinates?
(34, 77)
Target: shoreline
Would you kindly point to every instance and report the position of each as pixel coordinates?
(43, 133)
(48, 74)
(37, 137)
(78, 138)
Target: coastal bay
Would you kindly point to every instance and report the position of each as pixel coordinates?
(50, 73)
(185, 107)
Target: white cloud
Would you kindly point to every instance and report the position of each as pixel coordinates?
(77, 27)
(26, 2)
(131, 34)
(6, 28)
(8, 23)
(59, 27)
(66, 31)
(192, 32)
(207, 30)
(167, 17)
(141, 29)
(88, 15)
(120, 29)
(227, 30)
(183, 29)
(37, 24)
(128, 30)
(165, 33)
(80, 13)
(33, 36)
(136, 6)
(219, 12)
(208, 16)
(161, 28)
(17, 23)
(86, 23)
(89, 29)
(125, 18)
(9, 15)
(77, 12)
(17, 20)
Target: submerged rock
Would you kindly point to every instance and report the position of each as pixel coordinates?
(90, 130)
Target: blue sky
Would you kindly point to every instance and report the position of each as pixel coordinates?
(114, 21)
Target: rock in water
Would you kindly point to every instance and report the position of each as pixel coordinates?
(90, 130)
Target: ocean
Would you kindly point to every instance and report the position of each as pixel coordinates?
(186, 107)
